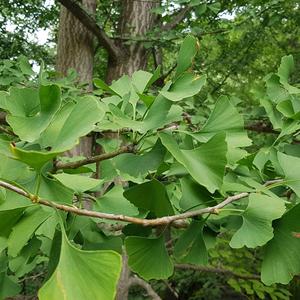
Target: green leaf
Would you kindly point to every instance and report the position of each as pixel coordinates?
(8, 286)
(286, 68)
(290, 108)
(140, 165)
(282, 254)
(25, 66)
(73, 121)
(187, 85)
(78, 183)
(140, 80)
(225, 118)
(275, 90)
(291, 169)
(21, 101)
(122, 86)
(53, 190)
(194, 196)
(8, 218)
(190, 247)
(161, 112)
(187, 52)
(25, 228)
(206, 164)
(150, 196)
(102, 85)
(27, 121)
(257, 229)
(114, 202)
(83, 275)
(148, 257)
(35, 159)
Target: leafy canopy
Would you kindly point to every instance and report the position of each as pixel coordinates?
(163, 168)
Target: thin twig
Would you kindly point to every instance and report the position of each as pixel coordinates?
(123, 218)
(93, 159)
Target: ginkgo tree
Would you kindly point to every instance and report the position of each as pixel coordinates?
(161, 171)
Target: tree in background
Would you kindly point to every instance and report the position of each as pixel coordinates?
(143, 34)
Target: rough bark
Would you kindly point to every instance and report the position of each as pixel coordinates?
(75, 50)
(75, 44)
(135, 21)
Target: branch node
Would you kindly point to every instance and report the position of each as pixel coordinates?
(34, 198)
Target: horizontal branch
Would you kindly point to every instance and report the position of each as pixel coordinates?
(217, 271)
(93, 159)
(123, 218)
(92, 26)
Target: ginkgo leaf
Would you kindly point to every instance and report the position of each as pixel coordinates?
(149, 257)
(151, 196)
(187, 85)
(282, 254)
(206, 164)
(114, 202)
(225, 118)
(35, 159)
(78, 183)
(187, 52)
(25, 228)
(291, 168)
(30, 122)
(82, 274)
(257, 229)
(72, 121)
(190, 247)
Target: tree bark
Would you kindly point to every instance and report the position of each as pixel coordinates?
(75, 44)
(75, 50)
(135, 21)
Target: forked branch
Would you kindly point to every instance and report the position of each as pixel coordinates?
(91, 25)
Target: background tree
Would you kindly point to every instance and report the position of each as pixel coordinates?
(237, 48)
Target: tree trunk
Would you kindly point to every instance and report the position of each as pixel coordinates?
(75, 44)
(75, 50)
(135, 21)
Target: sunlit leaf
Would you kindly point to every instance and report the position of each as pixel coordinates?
(257, 229)
(83, 274)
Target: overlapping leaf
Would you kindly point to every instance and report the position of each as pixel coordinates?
(187, 85)
(151, 196)
(206, 164)
(77, 183)
(282, 254)
(190, 247)
(291, 168)
(83, 274)
(149, 257)
(226, 118)
(71, 122)
(29, 115)
(257, 229)
(115, 203)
